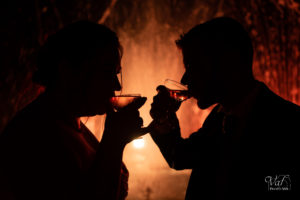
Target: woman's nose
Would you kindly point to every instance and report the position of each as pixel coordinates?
(116, 86)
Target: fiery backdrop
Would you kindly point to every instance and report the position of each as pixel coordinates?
(147, 30)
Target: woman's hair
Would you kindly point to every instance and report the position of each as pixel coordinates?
(75, 43)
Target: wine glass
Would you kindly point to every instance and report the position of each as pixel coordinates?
(177, 90)
(120, 101)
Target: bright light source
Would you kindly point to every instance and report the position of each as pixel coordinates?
(139, 143)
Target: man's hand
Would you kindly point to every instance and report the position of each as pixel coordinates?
(123, 126)
(163, 111)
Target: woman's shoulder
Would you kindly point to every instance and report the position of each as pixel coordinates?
(23, 122)
(31, 126)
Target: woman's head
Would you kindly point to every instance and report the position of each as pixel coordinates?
(81, 61)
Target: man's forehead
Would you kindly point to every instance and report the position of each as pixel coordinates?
(196, 53)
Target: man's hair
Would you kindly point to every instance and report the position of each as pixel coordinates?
(218, 36)
(75, 43)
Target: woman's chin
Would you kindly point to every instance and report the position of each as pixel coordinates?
(99, 108)
(103, 110)
(93, 112)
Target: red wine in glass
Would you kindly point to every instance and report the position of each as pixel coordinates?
(179, 95)
(177, 90)
(120, 101)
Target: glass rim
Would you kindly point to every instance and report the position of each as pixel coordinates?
(176, 83)
(128, 95)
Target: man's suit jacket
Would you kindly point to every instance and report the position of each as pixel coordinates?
(261, 159)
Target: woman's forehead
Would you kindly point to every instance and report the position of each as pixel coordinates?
(118, 69)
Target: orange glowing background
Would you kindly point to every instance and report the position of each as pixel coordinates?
(147, 30)
(151, 56)
(146, 64)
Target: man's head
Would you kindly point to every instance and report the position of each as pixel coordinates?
(217, 55)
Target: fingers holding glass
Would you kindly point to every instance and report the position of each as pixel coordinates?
(124, 123)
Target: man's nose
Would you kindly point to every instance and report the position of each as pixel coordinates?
(184, 79)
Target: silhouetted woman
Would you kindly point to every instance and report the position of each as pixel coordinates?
(46, 153)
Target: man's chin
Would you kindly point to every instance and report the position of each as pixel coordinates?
(102, 111)
(203, 105)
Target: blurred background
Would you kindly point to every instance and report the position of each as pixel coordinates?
(147, 30)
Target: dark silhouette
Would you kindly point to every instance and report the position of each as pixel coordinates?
(250, 134)
(45, 151)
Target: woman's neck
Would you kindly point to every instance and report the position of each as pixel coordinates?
(61, 107)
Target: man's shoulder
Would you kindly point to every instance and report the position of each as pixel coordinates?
(272, 112)
(269, 102)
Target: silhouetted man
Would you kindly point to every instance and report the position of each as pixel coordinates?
(249, 139)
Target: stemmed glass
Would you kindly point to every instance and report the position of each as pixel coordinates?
(177, 90)
(122, 100)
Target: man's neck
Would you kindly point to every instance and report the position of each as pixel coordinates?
(236, 95)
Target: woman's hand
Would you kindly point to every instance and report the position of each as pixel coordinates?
(120, 128)
(123, 126)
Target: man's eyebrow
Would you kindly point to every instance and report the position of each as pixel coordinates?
(119, 69)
